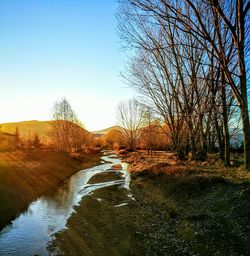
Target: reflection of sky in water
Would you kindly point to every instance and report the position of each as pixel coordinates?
(30, 233)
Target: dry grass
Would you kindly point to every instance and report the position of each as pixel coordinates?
(164, 163)
(7, 142)
(26, 175)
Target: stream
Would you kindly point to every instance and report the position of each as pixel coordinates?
(103, 212)
(33, 230)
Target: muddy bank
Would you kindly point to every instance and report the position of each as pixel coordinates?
(24, 176)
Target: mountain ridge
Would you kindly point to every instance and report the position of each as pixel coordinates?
(106, 130)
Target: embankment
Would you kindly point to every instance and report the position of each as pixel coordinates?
(26, 175)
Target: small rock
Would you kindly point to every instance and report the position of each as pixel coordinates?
(117, 167)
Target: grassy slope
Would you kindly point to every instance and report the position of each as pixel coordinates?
(25, 175)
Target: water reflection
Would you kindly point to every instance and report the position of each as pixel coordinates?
(30, 233)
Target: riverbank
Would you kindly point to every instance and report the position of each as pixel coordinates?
(167, 210)
(164, 163)
(191, 208)
(26, 175)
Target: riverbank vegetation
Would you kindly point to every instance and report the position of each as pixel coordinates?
(67, 132)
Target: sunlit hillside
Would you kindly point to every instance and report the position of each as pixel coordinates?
(105, 131)
(28, 129)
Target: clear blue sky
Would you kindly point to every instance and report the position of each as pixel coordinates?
(55, 48)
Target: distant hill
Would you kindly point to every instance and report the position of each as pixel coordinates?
(29, 128)
(105, 131)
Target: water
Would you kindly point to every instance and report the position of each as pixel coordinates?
(33, 230)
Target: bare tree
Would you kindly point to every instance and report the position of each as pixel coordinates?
(222, 28)
(130, 118)
(187, 54)
(149, 131)
(66, 131)
(167, 71)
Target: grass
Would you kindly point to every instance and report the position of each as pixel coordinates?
(26, 175)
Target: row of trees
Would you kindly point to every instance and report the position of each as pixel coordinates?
(189, 64)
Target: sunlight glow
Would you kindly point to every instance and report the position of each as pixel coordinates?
(45, 59)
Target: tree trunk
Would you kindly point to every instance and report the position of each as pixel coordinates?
(243, 83)
(245, 125)
(225, 122)
(220, 139)
(193, 149)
